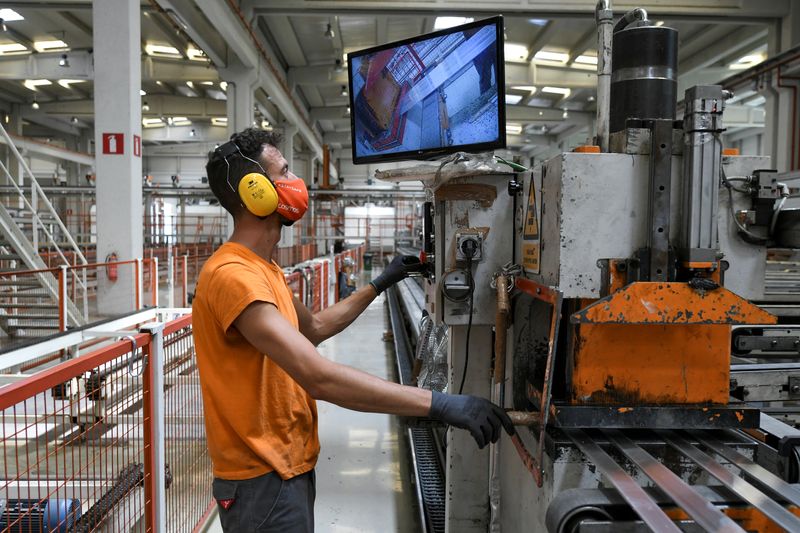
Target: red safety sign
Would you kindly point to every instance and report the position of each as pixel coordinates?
(137, 146)
(114, 143)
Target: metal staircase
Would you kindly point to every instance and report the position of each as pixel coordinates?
(35, 303)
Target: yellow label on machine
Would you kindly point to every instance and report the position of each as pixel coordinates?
(530, 233)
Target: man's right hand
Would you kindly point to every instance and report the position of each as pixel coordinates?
(479, 416)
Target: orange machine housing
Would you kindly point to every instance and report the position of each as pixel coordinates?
(656, 343)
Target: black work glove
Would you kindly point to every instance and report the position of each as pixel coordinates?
(480, 417)
(398, 270)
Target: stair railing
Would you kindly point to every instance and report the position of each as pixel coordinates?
(37, 196)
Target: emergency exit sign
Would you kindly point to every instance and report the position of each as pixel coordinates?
(113, 143)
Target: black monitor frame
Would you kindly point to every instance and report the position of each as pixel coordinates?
(433, 153)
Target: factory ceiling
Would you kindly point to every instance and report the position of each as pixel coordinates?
(46, 64)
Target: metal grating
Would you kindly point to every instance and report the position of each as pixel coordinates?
(429, 477)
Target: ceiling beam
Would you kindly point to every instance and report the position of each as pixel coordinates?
(742, 39)
(543, 37)
(186, 15)
(54, 124)
(282, 31)
(170, 34)
(328, 113)
(195, 133)
(35, 66)
(587, 41)
(48, 151)
(76, 22)
(160, 105)
(756, 11)
(233, 31)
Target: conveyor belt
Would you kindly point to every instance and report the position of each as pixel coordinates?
(748, 483)
(427, 465)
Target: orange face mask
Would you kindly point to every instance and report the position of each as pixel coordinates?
(292, 198)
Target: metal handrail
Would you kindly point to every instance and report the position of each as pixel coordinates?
(42, 196)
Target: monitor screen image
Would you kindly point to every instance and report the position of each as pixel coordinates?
(430, 95)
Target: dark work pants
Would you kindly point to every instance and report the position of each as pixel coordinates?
(267, 504)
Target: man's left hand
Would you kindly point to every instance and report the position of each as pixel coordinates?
(398, 270)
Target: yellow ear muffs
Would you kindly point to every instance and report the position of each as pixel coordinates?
(258, 194)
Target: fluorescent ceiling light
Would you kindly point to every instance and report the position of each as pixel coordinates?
(515, 52)
(181, 121)
(659, 23)
(219, 121)
(442, 23)
(66, 83)
(557, 90)
(160, 50)
(196, 55)
(747, 61)
(12, 48)
(9, 15)
(142, 92)
(527, 88)
(586, 60)
(513, 99)
(513, 128)
(546, 55)
(206, 83)
(32, 84)
(190, 84)
(50, 46)
(152, 122)
(538, 22)
(223, 85)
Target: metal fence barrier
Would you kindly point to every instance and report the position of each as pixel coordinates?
(112, 440)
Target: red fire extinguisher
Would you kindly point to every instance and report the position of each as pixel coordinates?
(111, 267)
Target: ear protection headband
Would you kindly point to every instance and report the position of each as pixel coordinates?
(256, 191)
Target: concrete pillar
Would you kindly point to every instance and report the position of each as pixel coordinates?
(240, 104)
(117, 110)
(241, 99)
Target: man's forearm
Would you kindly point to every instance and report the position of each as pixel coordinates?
(335, 318)
(357, 390)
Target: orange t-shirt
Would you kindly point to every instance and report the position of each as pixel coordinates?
(258, 419)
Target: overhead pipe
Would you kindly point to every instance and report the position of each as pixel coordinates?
(630, 17)
(604, 18)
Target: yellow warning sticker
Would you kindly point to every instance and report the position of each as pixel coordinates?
(530, 234)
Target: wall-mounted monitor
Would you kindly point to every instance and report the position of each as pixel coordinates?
(431, 95)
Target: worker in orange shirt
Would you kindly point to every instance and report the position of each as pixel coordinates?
(259, 369)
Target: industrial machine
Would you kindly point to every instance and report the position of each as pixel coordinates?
(599, 297)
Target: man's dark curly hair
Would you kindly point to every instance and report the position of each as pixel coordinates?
(251, 143)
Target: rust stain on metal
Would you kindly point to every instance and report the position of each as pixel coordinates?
(483, 194)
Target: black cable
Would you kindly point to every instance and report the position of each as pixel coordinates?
(469, 325)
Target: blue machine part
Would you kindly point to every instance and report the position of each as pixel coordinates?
(54, 515)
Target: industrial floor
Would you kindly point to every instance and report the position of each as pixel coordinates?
(363, 475)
